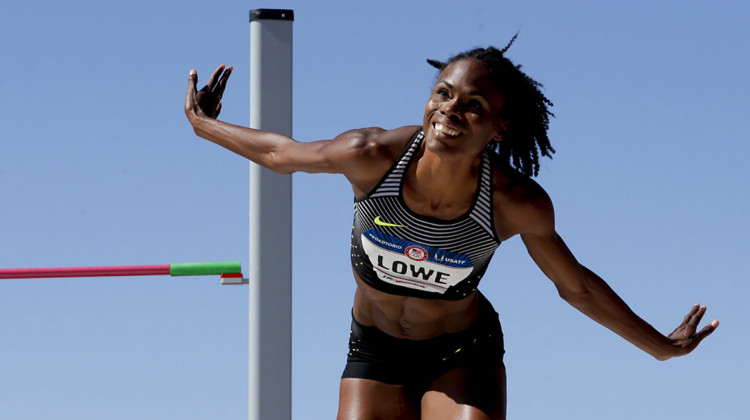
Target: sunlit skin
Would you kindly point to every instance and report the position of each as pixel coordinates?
(460, 119)
(463, 113)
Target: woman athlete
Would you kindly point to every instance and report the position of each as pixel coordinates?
(432, 202)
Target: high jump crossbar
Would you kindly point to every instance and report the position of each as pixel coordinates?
(230, 271)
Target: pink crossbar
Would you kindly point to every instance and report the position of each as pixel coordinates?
(114, 270)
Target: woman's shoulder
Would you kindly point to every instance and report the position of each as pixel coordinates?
(376, 142)
(520, 203)
(369, 153)
(513, 185)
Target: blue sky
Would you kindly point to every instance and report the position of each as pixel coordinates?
(98, 166)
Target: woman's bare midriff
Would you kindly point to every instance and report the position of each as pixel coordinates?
(410, 317)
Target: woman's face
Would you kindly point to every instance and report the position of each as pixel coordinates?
(462, 114)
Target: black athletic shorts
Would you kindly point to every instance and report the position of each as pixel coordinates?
(376, 355)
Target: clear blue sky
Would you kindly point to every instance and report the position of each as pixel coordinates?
(99, 166)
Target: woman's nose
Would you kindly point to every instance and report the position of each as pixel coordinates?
(450, 110)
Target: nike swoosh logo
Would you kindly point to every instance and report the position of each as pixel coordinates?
(382, 223)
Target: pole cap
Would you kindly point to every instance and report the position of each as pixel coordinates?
(271, 14)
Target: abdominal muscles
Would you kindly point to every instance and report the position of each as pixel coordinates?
(410, 317)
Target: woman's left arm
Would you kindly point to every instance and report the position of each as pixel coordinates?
(591, 295)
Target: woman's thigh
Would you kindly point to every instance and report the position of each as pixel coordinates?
(365, 399)
(470, 393)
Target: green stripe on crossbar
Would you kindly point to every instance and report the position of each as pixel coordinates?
(204, 269)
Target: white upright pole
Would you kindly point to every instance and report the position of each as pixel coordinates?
(270, 268)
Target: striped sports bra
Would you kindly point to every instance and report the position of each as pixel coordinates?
(400, 252)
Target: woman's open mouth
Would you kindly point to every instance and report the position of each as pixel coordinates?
(441, 129)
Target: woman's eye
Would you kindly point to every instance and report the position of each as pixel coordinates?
(442, 92)
(475, 105)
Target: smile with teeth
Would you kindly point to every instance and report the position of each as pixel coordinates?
(440, 128)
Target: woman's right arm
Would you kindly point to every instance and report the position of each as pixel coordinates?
(362, 155)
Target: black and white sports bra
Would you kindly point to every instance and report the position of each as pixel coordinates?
(400, 252)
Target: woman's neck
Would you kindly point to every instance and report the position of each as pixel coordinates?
(441, 186)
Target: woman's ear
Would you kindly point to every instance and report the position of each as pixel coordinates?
(502, 129)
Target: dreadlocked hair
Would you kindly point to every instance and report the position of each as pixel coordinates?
(525, 108)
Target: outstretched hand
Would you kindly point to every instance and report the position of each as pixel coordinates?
(685, 338)
(207, 101)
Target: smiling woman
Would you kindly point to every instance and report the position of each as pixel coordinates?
(432, 204)
(525, 105)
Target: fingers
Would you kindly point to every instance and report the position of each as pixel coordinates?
(692, 321)
(705, 332)
(708, 329)
(223, 83)
(211, 83)
(192, 79)
(696, 314)
(695, 309)
(189, 96)
(207, 101)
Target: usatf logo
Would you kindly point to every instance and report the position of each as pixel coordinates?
(416, 253)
